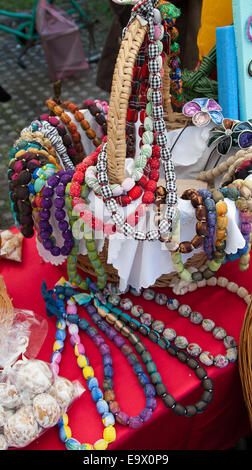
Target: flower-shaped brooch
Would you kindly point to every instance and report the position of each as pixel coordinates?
(203, 111)
(231, 134)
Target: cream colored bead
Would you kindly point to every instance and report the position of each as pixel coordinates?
(249, 201)
(240, 153)
(222, 281)
(248, 184)
(245, 192)
(192, 287)
(192, 269)
(202, 283)
(245, 258)
(243, 267)
(242, 292)
(212, 281)
(232, 287)
(238, 183)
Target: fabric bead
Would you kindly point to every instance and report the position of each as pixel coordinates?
(170, 334)
(232, 354)
(146, 319)
(158, 326)
(135, 422)
(184, 310)
(207, 324)
(229, 342)
(137, 310)
(102, 406)
(181, 342)
(220, 361)
(101, 444)
(194, 349)
(206, 358)
(160, 299)
(172, 304)
(196, 318)
(109, 434)
(219, 333)
(148, 294)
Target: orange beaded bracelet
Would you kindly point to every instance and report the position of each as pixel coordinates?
(71, 127)
(79, 116)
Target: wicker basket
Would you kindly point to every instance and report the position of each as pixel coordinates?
(116, 135)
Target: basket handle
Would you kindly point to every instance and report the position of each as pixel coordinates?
(119, 98)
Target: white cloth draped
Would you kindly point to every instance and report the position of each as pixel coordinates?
(140, 264)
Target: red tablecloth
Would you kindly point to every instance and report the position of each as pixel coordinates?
(219, 427)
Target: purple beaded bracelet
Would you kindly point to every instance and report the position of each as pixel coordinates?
(56, 184)
(211, 221)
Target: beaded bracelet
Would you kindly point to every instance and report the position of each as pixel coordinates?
(201, 226)
(211, 220)
(21, 167)
(71, 127)
(55, 122)
(220, 244)
(98, 114)
(79, 116)
(56, 183)
(233, 194)
(36, 137)
(51, 133)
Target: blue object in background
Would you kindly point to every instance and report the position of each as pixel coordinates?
(242, 10)
(228, 92)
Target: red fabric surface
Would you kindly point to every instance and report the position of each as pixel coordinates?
(219, 427)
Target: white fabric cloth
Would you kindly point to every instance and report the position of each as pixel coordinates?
(140, 264)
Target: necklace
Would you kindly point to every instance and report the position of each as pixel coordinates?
(109, 434)
(124, 326)
(157, 331)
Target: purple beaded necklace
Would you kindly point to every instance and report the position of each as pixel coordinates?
(121, 417)
(56, 184)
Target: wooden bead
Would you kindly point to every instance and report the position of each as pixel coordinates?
(197, 241)
(196, 200)
(186, 247)
(201, 213)
(161, 191)
(201, 228)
